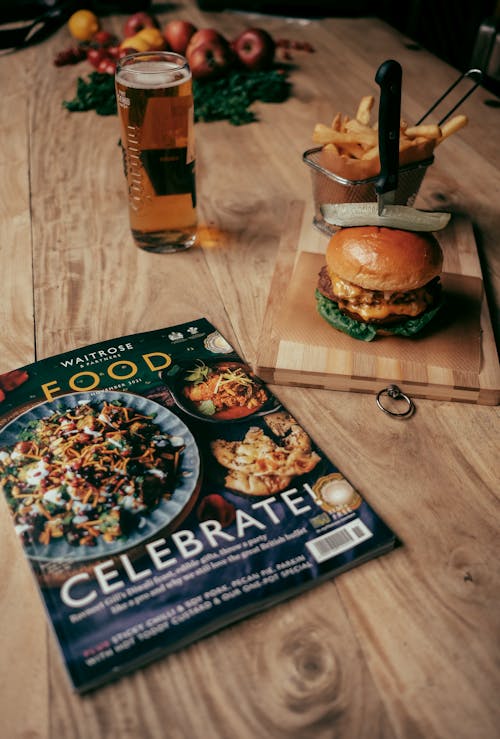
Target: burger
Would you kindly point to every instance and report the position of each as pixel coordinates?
(380, 280)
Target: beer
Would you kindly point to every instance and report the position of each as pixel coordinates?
(155, 103)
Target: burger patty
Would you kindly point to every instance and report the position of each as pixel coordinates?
(377, 306)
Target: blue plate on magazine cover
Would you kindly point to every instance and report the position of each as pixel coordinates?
(93, 474)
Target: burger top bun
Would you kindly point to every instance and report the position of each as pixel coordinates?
(378, 258)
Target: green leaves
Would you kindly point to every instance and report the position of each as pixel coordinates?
(227, 98)
(230, 97)
(96, 93)
(414, 325)
(330, 312)
(199, 373)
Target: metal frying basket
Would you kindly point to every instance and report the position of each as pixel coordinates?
(331, 188)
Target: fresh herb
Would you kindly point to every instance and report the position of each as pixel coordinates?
(29, 432)
(227, 98)
(230, 97)
(96, 93)
(198, 374)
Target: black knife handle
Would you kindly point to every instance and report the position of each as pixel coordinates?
(389, 76)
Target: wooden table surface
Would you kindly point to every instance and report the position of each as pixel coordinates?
(403, 646)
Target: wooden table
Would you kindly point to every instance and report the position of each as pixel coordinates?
(404, 646)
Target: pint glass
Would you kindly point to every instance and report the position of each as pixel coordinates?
(155, 104)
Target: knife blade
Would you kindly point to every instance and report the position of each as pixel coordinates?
(402, 217)
(388, 77)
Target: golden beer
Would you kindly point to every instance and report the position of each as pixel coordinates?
(155, 103)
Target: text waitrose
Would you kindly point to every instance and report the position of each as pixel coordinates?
(77, 593)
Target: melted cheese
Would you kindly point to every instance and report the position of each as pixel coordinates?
(344, 289)
(382, 310)
(377, 304)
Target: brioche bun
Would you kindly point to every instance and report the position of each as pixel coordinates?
(377, 258)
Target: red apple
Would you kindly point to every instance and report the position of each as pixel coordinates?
(209, 59)
(177, 34)
(104, 38)
(137, 22)
(203, 36)
(255, 48)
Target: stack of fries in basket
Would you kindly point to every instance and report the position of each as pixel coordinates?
(351, 144)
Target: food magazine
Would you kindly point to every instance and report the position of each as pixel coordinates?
(160, 491)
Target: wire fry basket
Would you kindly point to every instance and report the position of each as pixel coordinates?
(331, 188)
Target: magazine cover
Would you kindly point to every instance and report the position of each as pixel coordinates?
(161, 491)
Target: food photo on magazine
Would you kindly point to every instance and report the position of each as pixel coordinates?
(160, 491)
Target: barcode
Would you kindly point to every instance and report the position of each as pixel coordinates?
(348, 536)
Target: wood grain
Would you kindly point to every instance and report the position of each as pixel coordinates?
(404, 646)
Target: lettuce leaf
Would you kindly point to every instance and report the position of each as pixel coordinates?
(414, 325)
(329, 310)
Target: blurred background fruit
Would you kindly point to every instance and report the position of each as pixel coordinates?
(83, 25)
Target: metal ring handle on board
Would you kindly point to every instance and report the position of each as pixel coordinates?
(394, 392)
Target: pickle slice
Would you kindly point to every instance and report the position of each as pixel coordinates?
(393, 216)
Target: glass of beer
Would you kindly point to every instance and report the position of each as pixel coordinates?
(155, 103)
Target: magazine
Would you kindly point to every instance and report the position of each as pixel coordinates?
(161, 491)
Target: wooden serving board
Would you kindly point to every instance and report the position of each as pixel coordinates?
(455, 361)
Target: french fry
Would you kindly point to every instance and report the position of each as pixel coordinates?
(337, 122)
(431, 131)
(355, 151)
(364, 109)
(371, 153)
(331, 148)
(356, 139)
(324, 135)
(405, 144)
(355, 127)
(452, 126)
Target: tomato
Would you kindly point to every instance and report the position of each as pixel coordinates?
(96, 56)
(107, 66)
(115, 52)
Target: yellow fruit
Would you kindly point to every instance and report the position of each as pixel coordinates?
(154, 37)
(135, 42)
(83, 25)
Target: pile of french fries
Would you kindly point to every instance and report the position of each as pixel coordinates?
(357, 138)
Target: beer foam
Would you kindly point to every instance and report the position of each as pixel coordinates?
(152, 75)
